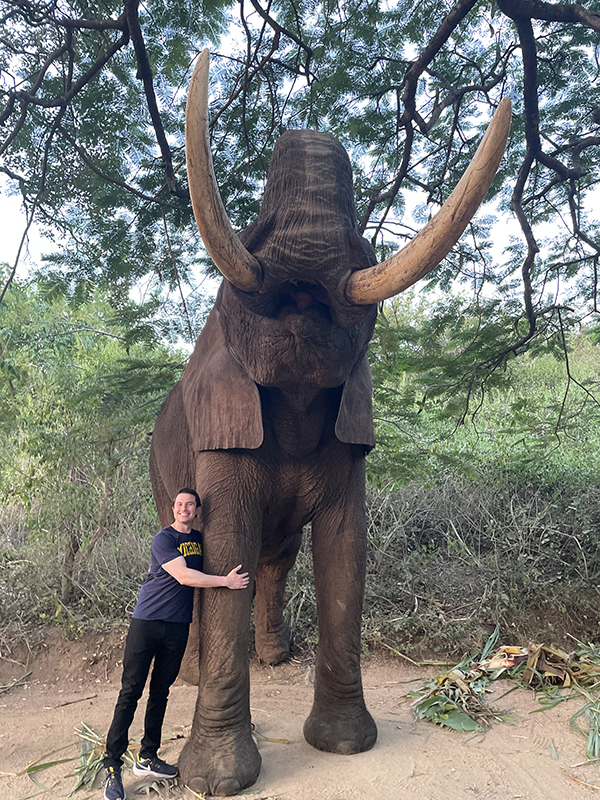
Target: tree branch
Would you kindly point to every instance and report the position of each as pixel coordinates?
(108, 178)
(550, 12)
(440, 37)
(279, 29)
(32, 210)
(65, 99)
(144, 74)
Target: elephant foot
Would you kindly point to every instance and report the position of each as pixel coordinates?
(220, 765)
(344, 730)
(273, 647)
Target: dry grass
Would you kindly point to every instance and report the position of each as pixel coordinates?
(446, 564)
(449, 562)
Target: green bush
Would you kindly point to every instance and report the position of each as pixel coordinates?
(478, 520)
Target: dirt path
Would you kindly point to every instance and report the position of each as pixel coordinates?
(411, 760)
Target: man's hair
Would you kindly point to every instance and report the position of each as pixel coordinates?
(187, 490)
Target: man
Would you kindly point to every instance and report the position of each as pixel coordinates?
(159, 630)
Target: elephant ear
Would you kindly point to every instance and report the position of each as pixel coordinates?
(171, 462)
(354, 423)
(222, 404)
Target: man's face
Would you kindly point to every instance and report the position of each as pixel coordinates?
(184, 508)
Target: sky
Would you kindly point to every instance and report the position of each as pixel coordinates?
(12, 226)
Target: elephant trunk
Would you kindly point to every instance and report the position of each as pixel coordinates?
(311, 186)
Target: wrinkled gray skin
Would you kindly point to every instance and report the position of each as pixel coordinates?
(270, 424)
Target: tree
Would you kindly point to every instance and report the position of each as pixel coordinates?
(78, 400)
(536, 421)
(93, 98)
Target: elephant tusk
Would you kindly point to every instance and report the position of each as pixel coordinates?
(228, 253)
(438, 237)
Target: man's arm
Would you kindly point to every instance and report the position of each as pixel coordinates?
(193, 577)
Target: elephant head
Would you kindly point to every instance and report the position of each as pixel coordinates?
(298, 306)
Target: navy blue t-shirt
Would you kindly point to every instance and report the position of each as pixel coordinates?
(161, 596)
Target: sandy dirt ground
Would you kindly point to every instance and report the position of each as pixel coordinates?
(78, 682)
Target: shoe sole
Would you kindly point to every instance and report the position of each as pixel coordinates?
(148, 773)
(124, 796)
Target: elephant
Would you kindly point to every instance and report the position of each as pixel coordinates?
(272, 421)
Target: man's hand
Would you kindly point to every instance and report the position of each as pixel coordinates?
(237, 580)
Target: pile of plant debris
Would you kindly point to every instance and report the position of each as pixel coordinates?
(92, 747)
(456, 698)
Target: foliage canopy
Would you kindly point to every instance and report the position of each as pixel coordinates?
(92, 106)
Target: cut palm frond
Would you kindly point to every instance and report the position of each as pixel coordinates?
(91, 757)
(92, 747)
(160, 786)
(455, 698)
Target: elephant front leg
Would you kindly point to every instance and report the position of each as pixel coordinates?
(221, 757)
(339, 721)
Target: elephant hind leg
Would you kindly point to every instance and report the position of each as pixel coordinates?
(272, 633)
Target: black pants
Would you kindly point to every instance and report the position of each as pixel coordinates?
(147, 639)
